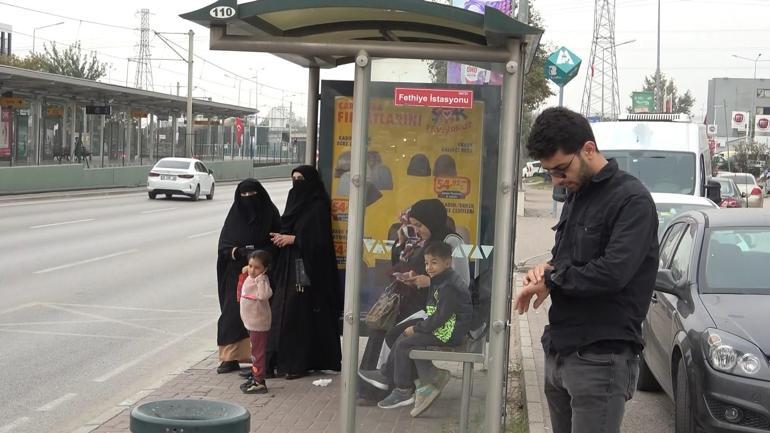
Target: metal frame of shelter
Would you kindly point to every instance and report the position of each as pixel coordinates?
(328, 33)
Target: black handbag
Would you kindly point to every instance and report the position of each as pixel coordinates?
(301, 280)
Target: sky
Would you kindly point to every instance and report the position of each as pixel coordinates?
(698, 41)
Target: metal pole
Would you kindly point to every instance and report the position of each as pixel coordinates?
(554, 204)
(311, 144)
(363, 76)
(190, 127)
(101, 137)
(505, 232)
(658, 101)
(174, 130)
(753, 116)
(727, 134)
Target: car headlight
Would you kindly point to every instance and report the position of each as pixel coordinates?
(734, 355)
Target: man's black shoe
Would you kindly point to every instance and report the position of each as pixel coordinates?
(227, 367)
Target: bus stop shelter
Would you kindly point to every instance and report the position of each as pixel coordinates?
(328, 33)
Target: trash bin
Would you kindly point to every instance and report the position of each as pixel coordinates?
(190, 416)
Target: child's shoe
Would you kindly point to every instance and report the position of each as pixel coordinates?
(254, 387)
(397, 398)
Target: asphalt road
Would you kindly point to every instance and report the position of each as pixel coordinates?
(103, 297)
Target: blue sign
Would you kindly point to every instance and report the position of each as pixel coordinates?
(562, 66)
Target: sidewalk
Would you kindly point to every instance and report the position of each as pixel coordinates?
(299, 406)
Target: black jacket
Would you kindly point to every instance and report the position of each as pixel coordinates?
(449, 309)
(605, 260)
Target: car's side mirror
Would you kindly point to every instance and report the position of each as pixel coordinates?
(559, 194)
(665, 282)
(714, 191)
(211, 172)
(743, 195)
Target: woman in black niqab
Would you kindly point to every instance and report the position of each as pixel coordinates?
(248, 225)
(304, 335)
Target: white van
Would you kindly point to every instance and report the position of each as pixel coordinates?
(667, 152)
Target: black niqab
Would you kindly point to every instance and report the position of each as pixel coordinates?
(249, 220)
(302, 194)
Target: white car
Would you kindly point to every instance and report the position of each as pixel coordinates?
(671, 205)
(180, 176)
(531, 169)
(748, 186)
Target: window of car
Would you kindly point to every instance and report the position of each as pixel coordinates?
(725, 187)
(745, 179)
(202, 168)
(669, 243)
(680, 263)
(736, 261)
(667, 212)
(659, 171)
(178, 165)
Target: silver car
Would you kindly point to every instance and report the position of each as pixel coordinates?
(748, 186)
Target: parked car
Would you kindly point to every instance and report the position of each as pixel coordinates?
(731, 195)
(531, 169)
(181, 176)
(669, 206)
(706, 335)
(748, 187)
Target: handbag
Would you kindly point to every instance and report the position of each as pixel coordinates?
(382, 316)
(301, 280)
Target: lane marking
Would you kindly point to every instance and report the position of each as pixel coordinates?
(18, 307)
(108, 319)
(71, 334)
(62, 223)
(82, 262)
(8, 428)
(53, 404)
(165, 209)
(200, 235)
(112, 307)
(153, 352)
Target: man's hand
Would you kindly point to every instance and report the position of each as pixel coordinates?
(409, 331)
(536, 274)
(418, 281)
(524, 296)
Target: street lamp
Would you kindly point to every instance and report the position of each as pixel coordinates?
(39, 28)
(603, 66)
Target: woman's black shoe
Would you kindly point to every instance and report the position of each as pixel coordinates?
(227, 367)
(292, 376)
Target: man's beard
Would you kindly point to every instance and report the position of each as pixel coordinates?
(584, 176)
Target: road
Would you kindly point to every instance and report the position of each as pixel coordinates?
(103, 297)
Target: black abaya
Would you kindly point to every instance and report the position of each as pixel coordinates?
(305, 330)
(248, 224)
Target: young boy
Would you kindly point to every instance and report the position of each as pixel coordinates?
(449, 311)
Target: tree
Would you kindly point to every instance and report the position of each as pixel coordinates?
(71, 62)
(681, 103)
(750, 158)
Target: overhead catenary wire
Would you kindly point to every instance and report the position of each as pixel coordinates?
(116, 26)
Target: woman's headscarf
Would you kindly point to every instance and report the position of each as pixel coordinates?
(302, 193)
(250, 218)
(433, 215)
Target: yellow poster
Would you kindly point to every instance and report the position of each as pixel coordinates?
(414, 153)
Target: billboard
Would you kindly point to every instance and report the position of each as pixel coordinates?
(458, 73)
(740, 120)
(643, 102)
(762, 124)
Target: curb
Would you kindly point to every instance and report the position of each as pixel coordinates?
(530, 384)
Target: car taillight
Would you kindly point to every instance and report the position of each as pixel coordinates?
(153, 174)
(186, 176)
(728, 202)
(756, 191)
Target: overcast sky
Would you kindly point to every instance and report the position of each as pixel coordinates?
(698, 39)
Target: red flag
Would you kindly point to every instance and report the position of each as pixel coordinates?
(238, 130)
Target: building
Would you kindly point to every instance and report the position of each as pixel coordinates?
(728, 95)
(5, 39)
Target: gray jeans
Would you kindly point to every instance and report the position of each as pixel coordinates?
(587, 392)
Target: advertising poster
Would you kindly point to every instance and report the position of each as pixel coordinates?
(415, 152)
(458, 73)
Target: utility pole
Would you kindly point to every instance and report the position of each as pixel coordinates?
(190, 132)
(658, 93)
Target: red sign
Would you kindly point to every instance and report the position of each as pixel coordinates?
(763, 123)
(436, 98)
(738, 118)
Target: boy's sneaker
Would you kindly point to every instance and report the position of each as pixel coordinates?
(425, 395)
(374, 378)
(423, 398)
(254, 388)
(397, 398)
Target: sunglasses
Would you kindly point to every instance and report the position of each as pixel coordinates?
(561, 173)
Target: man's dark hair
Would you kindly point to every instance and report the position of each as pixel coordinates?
(558, 128)
(262, 256)
(441, 250)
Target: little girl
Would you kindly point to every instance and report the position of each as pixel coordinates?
(256, 316)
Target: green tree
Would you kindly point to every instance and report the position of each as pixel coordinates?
(681, 103)
(71, 62)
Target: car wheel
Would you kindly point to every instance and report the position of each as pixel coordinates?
(210, 195)
(168, 195)
(197, 193)
(647, 381)
(685, 418)
(151, 195)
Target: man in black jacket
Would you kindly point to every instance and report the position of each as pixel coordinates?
(600, 279)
